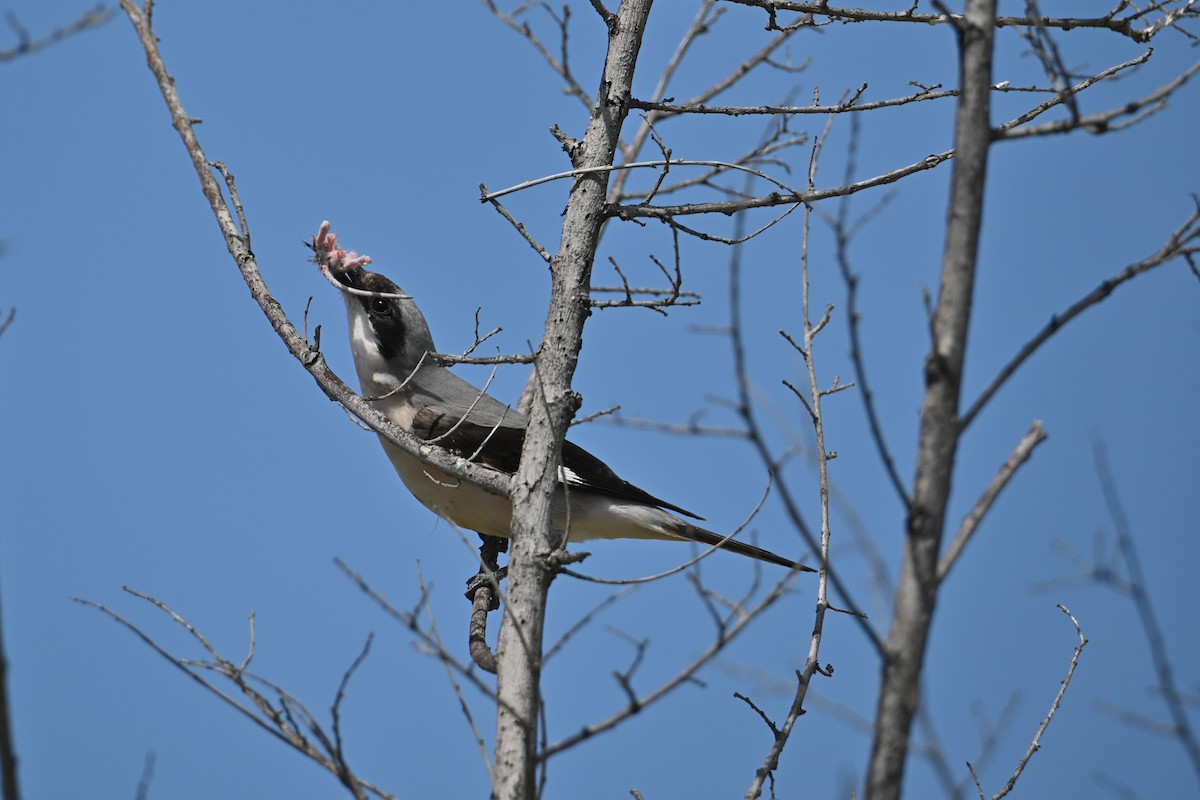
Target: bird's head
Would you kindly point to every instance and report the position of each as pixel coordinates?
(388, 334)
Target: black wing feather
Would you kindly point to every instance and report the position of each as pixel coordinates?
(500, 448)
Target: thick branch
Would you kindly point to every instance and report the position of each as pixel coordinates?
(519, 650)
(916, 594)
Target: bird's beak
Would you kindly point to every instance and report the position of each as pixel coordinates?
(352, 278)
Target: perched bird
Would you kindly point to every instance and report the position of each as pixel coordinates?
(392, 346)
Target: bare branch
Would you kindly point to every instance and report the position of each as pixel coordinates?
(1183, 242)
(744, 407)
(627, 212)
(701, 24)
(312, 360)
(143, 787)
(850, 105)
(446, 359)
(1024, 449)
(1172, 697)
(586, 620)
(9, 787)
(1101, 122)
(285, 718)
(605, 168)
(1010, 129)
(1036, 744)
(812, 663)
(560, 67)
(26, 44)
(533, 559)
(938, 438)
(1046, 50)
(843, 232)
(1121, 25)
(409, 620)
(685, 675)
(690, 428)
(663, 298)
(542, 252)
(335, 711)
(435, 635)
(768, 152)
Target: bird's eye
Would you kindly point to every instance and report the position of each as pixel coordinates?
(380, 306)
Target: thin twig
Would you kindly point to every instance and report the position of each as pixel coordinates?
(1020, 454)
(1178, 244)
(586, 620)
(335, 710)
(143, 787)
(674, 162)
(1036, 744)
(519, 226)
(1121, 25)
(1100, 122)
(843, 231)
(701, 24)
(465, 707)
(559, 67)
(812, 662)
(1172, 697)
(760, 440)
(410, 621)
(627, 212)
(683, 676)
(9, 786)
(847, 106)
(26, 44)
(286, 720)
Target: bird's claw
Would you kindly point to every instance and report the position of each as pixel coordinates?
(489, 579)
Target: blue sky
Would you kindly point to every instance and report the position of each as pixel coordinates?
(157, 435)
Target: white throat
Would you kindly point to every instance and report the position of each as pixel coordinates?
(372, 368)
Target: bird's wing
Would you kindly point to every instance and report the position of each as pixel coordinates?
(499, 446)
(581, 468)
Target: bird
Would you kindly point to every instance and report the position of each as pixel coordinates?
(392, 347)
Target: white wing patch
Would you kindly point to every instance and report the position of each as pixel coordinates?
(570, 477)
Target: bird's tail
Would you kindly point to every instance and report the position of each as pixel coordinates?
(696, 534)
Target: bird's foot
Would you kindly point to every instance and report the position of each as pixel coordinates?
(489, 580)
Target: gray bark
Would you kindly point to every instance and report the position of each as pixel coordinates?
(916, 594)
(519, 650)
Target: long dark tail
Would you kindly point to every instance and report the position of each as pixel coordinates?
(709, 538)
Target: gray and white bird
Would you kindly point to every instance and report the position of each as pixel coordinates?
(392, 345)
